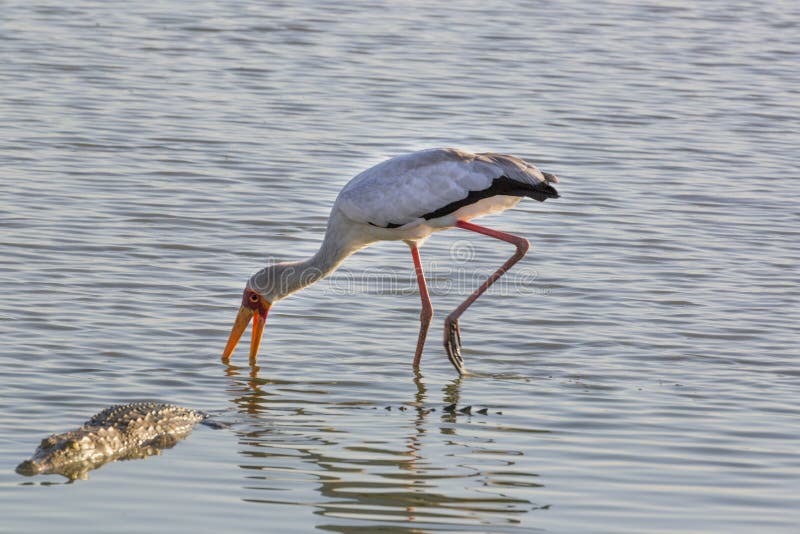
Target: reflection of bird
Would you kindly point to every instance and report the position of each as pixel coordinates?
(405, 198)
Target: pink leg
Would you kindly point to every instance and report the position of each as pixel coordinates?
(427, 309)
(452, 333)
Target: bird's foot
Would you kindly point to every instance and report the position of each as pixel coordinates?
(452, 344)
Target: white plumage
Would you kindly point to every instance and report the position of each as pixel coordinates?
(405, 198)
(401, 190)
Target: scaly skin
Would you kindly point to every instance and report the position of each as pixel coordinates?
(121, 432)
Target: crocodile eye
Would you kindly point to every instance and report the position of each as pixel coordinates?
(72, 444)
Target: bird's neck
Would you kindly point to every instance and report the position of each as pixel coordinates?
(282, 279)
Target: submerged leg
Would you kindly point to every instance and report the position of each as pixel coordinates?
(427, 309)
(452, 333)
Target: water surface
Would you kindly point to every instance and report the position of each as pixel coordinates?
(639, 367)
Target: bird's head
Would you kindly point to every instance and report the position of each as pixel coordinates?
(266, 287)
(254, 306)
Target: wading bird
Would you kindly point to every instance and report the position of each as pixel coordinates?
(406, 198)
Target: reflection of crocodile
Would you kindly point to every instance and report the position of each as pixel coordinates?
(121, 432)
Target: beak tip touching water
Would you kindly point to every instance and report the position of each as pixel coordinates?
(243, 318)
(258, 330)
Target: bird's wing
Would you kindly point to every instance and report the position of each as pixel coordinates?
(403, 189)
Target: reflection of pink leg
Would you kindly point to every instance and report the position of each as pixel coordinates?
(427, 309)
(452, 333)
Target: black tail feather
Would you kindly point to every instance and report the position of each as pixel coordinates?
(500, 186)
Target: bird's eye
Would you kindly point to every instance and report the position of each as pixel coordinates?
(253, 297)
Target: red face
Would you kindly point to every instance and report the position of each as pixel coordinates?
(255, 302)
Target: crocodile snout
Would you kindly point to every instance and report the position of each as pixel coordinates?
(28, 468)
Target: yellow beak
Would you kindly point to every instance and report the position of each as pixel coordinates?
(240, 325)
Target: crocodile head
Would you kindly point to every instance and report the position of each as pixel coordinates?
(71, 454)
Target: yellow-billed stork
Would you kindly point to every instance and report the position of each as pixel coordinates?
(405, 198)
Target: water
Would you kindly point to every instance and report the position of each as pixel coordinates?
(643, 356)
